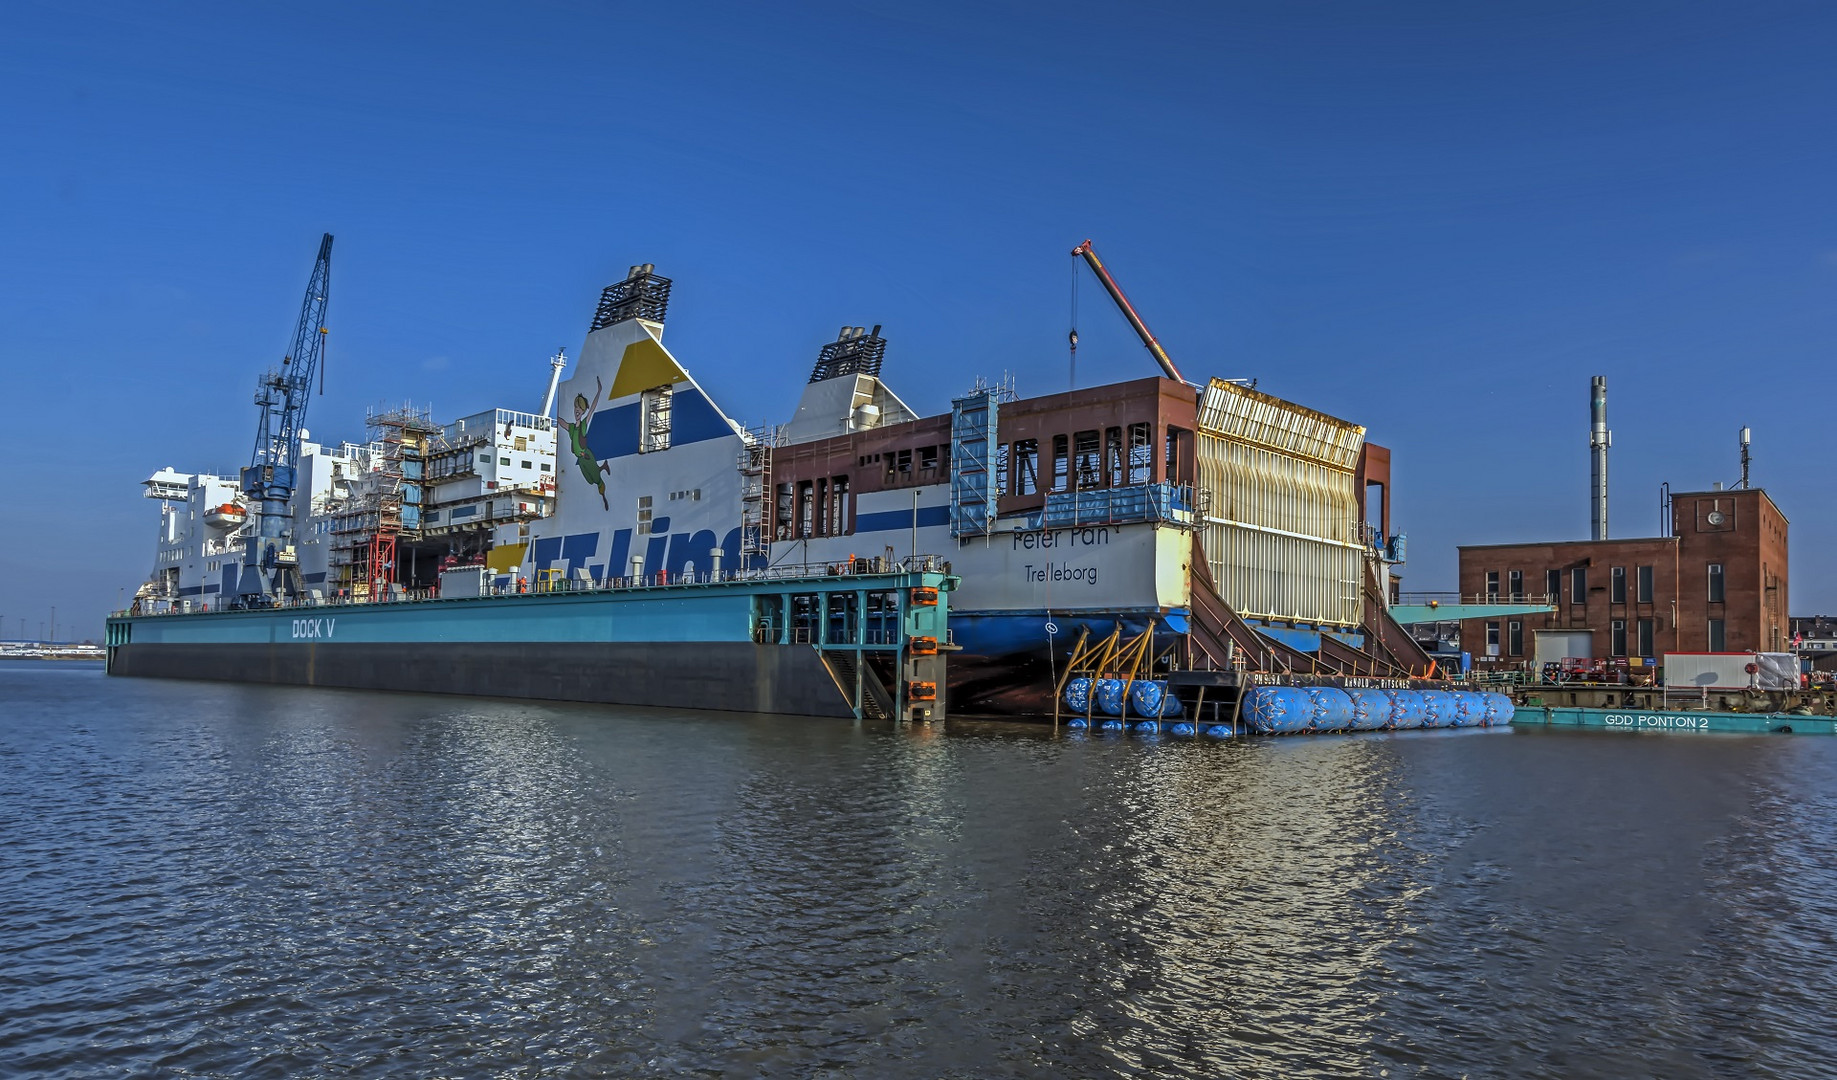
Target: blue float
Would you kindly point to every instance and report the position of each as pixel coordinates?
(1469, 709)
(1183, 729)
(1220, 731)
(1149, 697)
(1077, 723)
(1078, 694)
(1499, 708)
(1110, 697)
(1112, 726)
(1146, 727)
(1371, 709)
(1438, 708)
(1275, 710)
(1332, 709)
(1407, 708)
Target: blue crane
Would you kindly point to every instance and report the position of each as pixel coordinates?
(269, 565)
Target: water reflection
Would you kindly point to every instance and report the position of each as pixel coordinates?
(263, 881)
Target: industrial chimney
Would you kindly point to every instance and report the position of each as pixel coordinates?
(1599, 439)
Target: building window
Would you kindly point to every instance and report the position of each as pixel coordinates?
(1617, 638)
(654, 418)
(838, 506)
(1553, 585)
(1617, 585)
(1086, 466)
(1141, 454)
(1514, 581)
(1647, 627)
(928, 458)
(1061, 462)
(1578, 584)
(1027, 466)
(1718, 639)
(1113, 456)
(1715, 586)
(1492, 584)
(1001, 469)
(1492, 639)
(1643, 587)
(1514, 638)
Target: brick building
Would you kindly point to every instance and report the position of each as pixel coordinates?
(1717, 583)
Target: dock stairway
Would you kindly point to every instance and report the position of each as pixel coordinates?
(860, 684)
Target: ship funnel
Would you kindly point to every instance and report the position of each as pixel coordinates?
(1599, 439)
(642, 295)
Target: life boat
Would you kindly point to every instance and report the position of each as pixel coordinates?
(227, 516)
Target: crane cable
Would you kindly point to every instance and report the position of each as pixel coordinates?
(1072, 338)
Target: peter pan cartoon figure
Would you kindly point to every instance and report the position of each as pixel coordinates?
(577, 442)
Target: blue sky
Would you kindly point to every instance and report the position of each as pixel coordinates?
(1437, 220)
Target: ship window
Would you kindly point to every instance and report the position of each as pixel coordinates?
(1113, 456)
(1026, 466)
(1060, 462)
(522, 443)
(644, 515)
(928, 458)
(545, 466)
(526, 464)
(654, 428)
(1086, 467)
(805, 498)
(485, 458)
(503, 461)
(1141, 455)
(1001, 469)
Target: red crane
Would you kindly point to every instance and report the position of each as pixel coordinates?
(1122, 302)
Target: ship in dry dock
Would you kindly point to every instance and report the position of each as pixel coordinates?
(1220, 525)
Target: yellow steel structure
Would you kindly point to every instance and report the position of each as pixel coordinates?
(1282, 530)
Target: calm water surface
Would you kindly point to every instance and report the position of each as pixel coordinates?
(206, 880)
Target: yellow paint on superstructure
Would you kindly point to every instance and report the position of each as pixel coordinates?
(505, 557)
(644, 365)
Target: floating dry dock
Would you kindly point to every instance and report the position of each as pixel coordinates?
(860, 640)
(1676, 722)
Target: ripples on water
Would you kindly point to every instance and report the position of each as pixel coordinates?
(247, 881)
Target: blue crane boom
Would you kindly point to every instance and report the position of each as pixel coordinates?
(269, 565)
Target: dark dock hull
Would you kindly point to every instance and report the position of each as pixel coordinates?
(722, 676)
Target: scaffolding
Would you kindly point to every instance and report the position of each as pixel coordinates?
(756, 494)
(385, 503)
